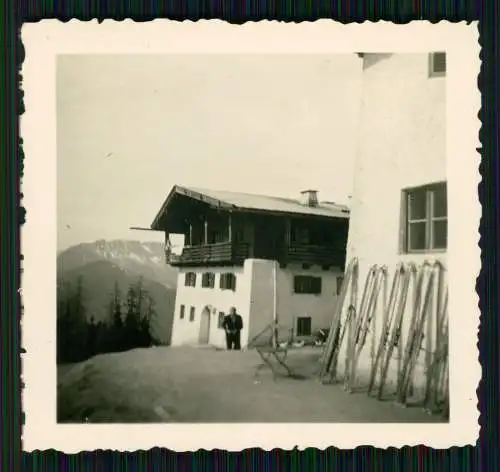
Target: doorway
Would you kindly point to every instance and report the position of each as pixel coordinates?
(204, 335)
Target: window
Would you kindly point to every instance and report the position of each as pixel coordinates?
(191, 313)
(208, 280)
(220, 319)
(190, 279)
(340, 281)
(306, 266)
(227, 281)
(304, 326)
(426, 219)
(307, 284)
(182, 311)
(437, 64)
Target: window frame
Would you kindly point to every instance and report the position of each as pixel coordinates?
(208, 280)
(432, 71)
(429, 219)
(302, 318)
(190, 279)
(309, 290)
(220, 319)
(223, 281)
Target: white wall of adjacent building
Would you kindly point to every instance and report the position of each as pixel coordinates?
(401, 145)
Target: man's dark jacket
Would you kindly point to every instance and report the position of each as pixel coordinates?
(231, 324)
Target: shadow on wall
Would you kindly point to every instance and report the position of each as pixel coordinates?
(372, 59)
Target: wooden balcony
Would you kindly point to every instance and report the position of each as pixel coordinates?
(317, 255)
(226, 253)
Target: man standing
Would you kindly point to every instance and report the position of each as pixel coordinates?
(233, 324)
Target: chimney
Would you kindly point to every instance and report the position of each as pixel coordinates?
(309, 198)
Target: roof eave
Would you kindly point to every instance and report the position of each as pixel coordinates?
(178, 190)
(156, 221)
(345, 216)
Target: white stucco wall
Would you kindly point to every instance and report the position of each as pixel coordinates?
(401, 144)
(319, 307)
(187, 332)
(290, 305)
(254, 301)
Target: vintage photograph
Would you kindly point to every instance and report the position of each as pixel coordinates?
(260, 235)
(252, 238)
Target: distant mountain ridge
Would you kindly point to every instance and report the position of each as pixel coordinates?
(103, 263)
(134, 257)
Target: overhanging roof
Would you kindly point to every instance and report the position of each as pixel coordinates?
(246, 202)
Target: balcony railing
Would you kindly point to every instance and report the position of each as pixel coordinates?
(226, 253)
(318, 255)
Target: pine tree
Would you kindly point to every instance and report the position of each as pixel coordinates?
(141, 295)
(63, 341)
(131, 327)
(72, 325)
(92, 337)
(150, 313)
(116, 308)
(116, 341)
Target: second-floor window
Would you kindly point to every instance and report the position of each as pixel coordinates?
(208, 280)
(227, 281)
(306, 284)
(425, 223)
(190, 279)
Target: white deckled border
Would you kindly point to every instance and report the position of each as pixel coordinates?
(45, 40)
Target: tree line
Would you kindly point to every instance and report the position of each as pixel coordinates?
(127, 325)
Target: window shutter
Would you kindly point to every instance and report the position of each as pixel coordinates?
(233, 282)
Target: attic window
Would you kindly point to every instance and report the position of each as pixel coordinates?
(437, 64)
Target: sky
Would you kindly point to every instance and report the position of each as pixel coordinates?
(129, 128)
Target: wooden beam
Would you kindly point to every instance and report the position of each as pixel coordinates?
(190, 234)
(230, 227)
(136, 228)
(205, 236)
(288, 231)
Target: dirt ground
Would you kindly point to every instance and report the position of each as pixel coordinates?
(187, 384)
